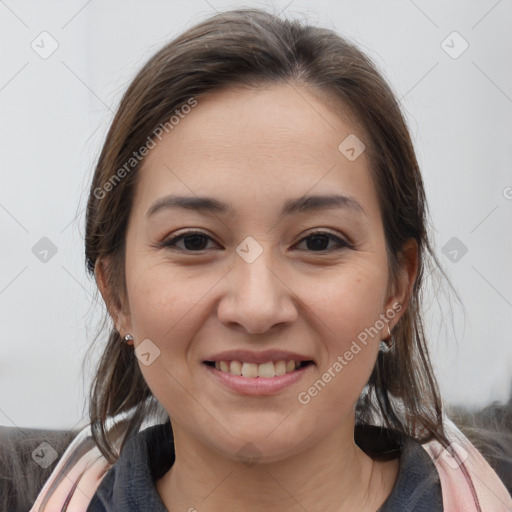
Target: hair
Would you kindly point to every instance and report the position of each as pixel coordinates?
(252, 48)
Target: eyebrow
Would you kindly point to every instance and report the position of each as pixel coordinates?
(291, 206)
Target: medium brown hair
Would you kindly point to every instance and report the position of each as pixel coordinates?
(255, 48)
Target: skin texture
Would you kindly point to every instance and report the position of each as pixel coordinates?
(254, 149)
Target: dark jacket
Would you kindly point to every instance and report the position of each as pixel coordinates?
(129, 486)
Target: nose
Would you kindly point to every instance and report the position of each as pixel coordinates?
(257, 298)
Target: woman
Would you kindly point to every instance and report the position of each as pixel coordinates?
(257, 228)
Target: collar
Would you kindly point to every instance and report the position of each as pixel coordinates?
(149, 454)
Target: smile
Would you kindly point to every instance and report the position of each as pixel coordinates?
(257, 379)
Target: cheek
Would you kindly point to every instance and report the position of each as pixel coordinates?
(349, 301)
(164, 308)
(163, 303)
(168, 307)
(348, 310)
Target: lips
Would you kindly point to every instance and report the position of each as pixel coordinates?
(250, 381)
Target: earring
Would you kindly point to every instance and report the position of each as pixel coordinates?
(128, 339)
(387, 344)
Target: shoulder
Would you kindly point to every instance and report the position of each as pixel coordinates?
(417, 486)
(75, 478)
(85, 480)
(130, 484)
(433, 477)
(468, 481)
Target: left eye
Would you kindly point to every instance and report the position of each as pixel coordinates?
(316, 242)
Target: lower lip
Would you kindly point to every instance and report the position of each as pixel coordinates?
(257, 385)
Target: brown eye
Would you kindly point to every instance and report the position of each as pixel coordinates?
(319, 242)
(193, 241)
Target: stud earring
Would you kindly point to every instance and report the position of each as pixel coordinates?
(128, 339)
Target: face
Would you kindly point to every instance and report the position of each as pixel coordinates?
(257, 276)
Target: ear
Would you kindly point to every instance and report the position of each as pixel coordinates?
(114, 305)
(403, 286)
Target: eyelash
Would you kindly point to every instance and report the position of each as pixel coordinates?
(171, 242)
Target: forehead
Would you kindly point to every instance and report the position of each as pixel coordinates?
(257, 143)
(290, 120)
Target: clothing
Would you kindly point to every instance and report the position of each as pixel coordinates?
(427, 479)
(149, 455)
(129, 486)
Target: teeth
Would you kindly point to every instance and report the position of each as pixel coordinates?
(280, 368)
(265, 370)
(235, 368)
(249, 370)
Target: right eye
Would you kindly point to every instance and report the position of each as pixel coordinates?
(194, 241)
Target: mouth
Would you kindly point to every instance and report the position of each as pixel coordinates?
(257, 379)
(267, 370)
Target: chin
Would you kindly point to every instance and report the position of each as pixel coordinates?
(262, 446)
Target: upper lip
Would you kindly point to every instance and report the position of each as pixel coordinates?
(248, 356)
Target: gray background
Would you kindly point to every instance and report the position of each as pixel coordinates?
(55, 113)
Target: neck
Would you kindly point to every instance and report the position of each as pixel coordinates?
(335, 475)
